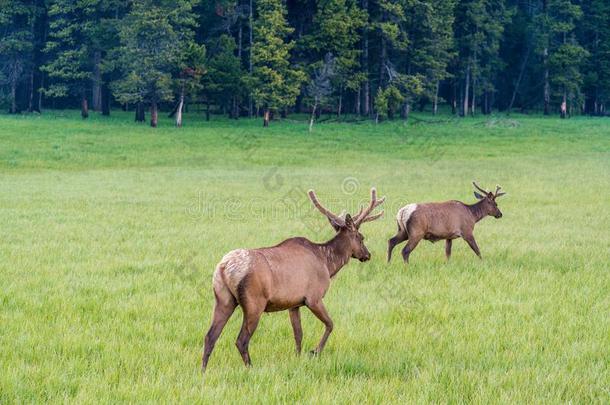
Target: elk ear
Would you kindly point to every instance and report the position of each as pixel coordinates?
(478, 196)
(349, 222)
(334, 224)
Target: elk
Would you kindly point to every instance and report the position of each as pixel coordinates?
(292, 274)
(445, 220)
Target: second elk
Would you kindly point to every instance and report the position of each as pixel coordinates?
(443, 220)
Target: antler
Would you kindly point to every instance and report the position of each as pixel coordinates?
(331, 217)
(479, 188)
(498, 194)
(363, 216)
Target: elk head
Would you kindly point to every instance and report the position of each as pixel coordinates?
(488, 200)
(348, 226)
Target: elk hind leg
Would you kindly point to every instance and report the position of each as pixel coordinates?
(411, 245)
(400, 237)
(222, 312)
(252, 315)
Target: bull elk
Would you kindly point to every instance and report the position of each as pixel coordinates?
(295, 273)
(445, 220)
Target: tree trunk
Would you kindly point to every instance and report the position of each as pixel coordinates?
(564, 111)
(31, 92)
(154, 114)
(473, 92)
(84, 107)
(13, 96)
(96, 98)
(207, 110)
(179, 109)
(466, 89)
(454, 98)
(547, 86)
(435, 103)
(266, 118)
(105, 100)
(340, 106)
(357, 101)
(366, 86)
(40, 92)
(140, 114)
(313, 114)
(518, 83)
(251, 69)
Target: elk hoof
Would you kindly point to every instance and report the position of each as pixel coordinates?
(314, 353)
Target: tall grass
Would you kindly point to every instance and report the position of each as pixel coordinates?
(111, 231)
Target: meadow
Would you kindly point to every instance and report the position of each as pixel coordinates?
(110, 232)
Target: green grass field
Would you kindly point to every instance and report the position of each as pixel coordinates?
(110, 232)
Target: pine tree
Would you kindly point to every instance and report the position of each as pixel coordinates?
(154, 37)
(72, 31)
(561, 54)
(478, 30)
(17, 44)
(225, 81)
(276, 84)
(336, 28)
(595, 36)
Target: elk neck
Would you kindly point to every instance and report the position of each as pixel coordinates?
(336, 253)
(476, 210)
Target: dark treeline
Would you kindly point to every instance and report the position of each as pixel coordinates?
(374, 58)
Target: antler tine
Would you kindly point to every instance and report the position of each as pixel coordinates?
(314, 199)
(363, 216)
(479, 188)
(499, 193)
(373, 217)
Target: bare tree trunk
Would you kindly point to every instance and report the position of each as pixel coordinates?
(154, 114)
(564, 113)
(179, 109)
(435, 103)
(96, 98)
(466, 89)
(313, 114)
(84, 107)
(266, 118)
(357, 101)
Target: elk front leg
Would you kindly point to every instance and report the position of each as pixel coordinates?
(473, 244)
(222, 313)
(319, 311)
(448, 243)
(250, 322)
(295, 320)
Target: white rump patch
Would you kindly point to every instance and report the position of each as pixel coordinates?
(404, 214)
(235, 266)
